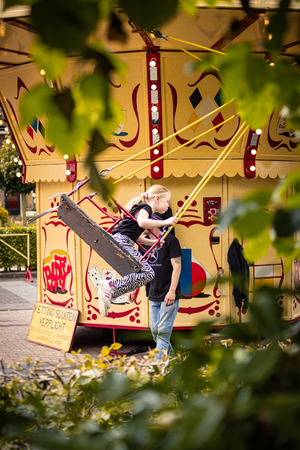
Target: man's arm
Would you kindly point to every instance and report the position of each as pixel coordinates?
(171, 295)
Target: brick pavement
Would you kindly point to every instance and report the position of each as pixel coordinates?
(17, 299)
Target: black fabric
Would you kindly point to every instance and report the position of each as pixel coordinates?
(240, 272)
(129, 227)
(160, 262)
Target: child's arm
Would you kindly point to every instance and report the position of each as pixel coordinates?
(149, 242)
(144, 221)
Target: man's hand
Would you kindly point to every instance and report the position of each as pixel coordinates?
(170, 298)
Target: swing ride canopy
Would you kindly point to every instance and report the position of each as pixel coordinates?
(184, 99)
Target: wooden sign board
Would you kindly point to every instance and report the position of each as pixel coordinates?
(53, 326)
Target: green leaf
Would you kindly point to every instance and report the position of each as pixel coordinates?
(253, 223)
(287, 222)
(51, 60)
(74, 20)
(36, 403)
(69, 138)
(266, 313)
(255, 108)
(188, 6)
(277, 26)
(106, 61)
(105, 187)
(257, 247)
(260, 196)
(65, 103)
(36, 103)
(149, 14)
(285, 245)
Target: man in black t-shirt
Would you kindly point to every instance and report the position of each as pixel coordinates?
(164, 291)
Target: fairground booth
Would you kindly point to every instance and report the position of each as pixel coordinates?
(162, 102)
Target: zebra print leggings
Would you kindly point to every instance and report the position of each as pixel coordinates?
(132, 281)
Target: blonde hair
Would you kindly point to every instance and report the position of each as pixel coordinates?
(145, 197)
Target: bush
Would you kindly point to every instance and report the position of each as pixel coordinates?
(8, 257)
(3, 216)
(239, 393)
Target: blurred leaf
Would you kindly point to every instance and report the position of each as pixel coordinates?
(149, 14)
(285, 245)
(106, 61)
(74, 20)
(147, 401)
(105, 8)
(36, 403)
(65, 103)
(284, 185)
(201, 420)
(253, 223)
(51, 60)
(266, 313)
(69, 138)
(261, 366)
(287, 222)
(105, 187)
(257, 246)
(260, 196)
(115, 29)
(36, 103)
(256, 108)
(115, 386)
(188, 6)
(277, 26)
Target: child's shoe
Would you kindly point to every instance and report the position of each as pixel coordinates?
(105, 294)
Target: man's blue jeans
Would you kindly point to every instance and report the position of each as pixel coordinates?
(161, 324)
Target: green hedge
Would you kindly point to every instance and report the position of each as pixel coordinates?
(8, 257)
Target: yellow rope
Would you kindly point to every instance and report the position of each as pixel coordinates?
(191, 54)
(172, 151)
(186, 51)
(210, 173)
(171, 136)
(212, 170)
(197, 45)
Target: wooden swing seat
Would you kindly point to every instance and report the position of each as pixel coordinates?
(97, 238)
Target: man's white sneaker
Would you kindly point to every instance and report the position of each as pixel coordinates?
(104, 297)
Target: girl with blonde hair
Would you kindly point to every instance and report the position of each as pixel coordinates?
(155, 200)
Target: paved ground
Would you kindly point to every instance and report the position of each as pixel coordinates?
(17, 299)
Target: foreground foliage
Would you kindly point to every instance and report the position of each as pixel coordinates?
(235, 394)
(85, 112)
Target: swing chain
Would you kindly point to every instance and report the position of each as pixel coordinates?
(104, 172)
(56, 195)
